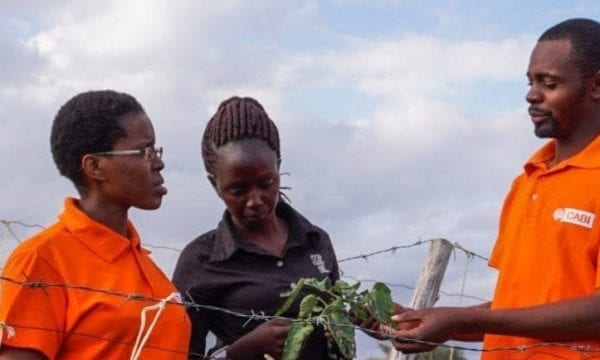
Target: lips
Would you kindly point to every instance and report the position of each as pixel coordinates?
(160, 188)
(256, 217)
(538, 115)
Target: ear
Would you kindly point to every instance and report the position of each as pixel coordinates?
(595, 88)
(212, 180)
(92, 167)
(278, 163)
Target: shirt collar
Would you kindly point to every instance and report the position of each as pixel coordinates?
(100, 239)
(589, 157)
(228, 239)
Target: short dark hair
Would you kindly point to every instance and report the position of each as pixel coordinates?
(584, 35)
(88, 123)
(237, 118)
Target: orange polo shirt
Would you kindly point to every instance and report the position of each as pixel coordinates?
(70, 323)
(548, 244)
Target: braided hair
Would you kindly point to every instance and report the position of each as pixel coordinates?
(237, 118)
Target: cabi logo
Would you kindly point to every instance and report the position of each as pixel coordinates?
(317, 261)
(574, 216)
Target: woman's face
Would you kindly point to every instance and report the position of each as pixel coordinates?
(134, 180)
(247, 179)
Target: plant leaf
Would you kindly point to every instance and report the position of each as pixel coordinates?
(299, 332)
(342, 332)
(308, 306)
(344, 289)
(290, 296)
(320, 285)
(381, 304)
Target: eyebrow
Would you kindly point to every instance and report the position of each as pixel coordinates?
(543, 75)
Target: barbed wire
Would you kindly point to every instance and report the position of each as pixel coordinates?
(586, 350)
(162, 247)
(393, 249)
(261, 316)
(410, 287)
(257, 316)
(8, 225)
(95, 337)
(420, 242)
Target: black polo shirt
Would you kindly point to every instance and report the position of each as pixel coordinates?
(222, 270)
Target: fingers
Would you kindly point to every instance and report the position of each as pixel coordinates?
(407, 315)
(279, 328)
(399, 309)
(407, 341)
(411, 347)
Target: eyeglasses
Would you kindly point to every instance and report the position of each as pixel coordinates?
(148, 153)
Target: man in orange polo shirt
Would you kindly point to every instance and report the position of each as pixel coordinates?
(546, 304)
(77, 289)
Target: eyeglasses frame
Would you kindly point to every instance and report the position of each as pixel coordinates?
(149, 152)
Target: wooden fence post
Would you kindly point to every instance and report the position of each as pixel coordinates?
(428, 287)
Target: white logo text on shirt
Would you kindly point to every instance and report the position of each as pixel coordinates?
(574, 216)
(317, 261)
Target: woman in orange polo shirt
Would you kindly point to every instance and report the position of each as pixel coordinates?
(93, 279)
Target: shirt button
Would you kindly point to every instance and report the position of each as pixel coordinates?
(280, 263)
(534, 197)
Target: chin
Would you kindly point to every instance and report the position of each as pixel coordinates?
(150, 205)
(544, 132)
(547, 129)
(253, 224)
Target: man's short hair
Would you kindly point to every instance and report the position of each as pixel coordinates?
(584, 35)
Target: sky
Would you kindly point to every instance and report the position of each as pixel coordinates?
(400, 120)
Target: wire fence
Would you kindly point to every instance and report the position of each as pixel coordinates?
(586, 351)
(256, 316)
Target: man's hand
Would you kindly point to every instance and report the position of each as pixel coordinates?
(371, 327)
(422, 330)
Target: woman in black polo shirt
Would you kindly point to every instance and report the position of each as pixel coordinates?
(258, 249)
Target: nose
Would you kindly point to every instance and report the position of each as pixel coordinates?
(534, 95)
(157, 164)
(254, 199)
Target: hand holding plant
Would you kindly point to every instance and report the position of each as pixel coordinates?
(330, 306)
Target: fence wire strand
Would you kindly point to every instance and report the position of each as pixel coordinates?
(586, 350)
(191, 304)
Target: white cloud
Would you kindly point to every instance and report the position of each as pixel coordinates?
(422, 161)
(144, 48)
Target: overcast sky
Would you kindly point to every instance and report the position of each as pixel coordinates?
(399, 120)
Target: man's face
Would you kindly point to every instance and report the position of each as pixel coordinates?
(557, 91)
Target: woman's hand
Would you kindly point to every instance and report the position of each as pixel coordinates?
(267, 338)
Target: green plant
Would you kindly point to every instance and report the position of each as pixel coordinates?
(329, 306)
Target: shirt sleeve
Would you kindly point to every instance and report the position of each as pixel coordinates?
(200, 320)
(31, 305)
(326, 248)
(596, 236)
(498, 249)
(335, 268)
